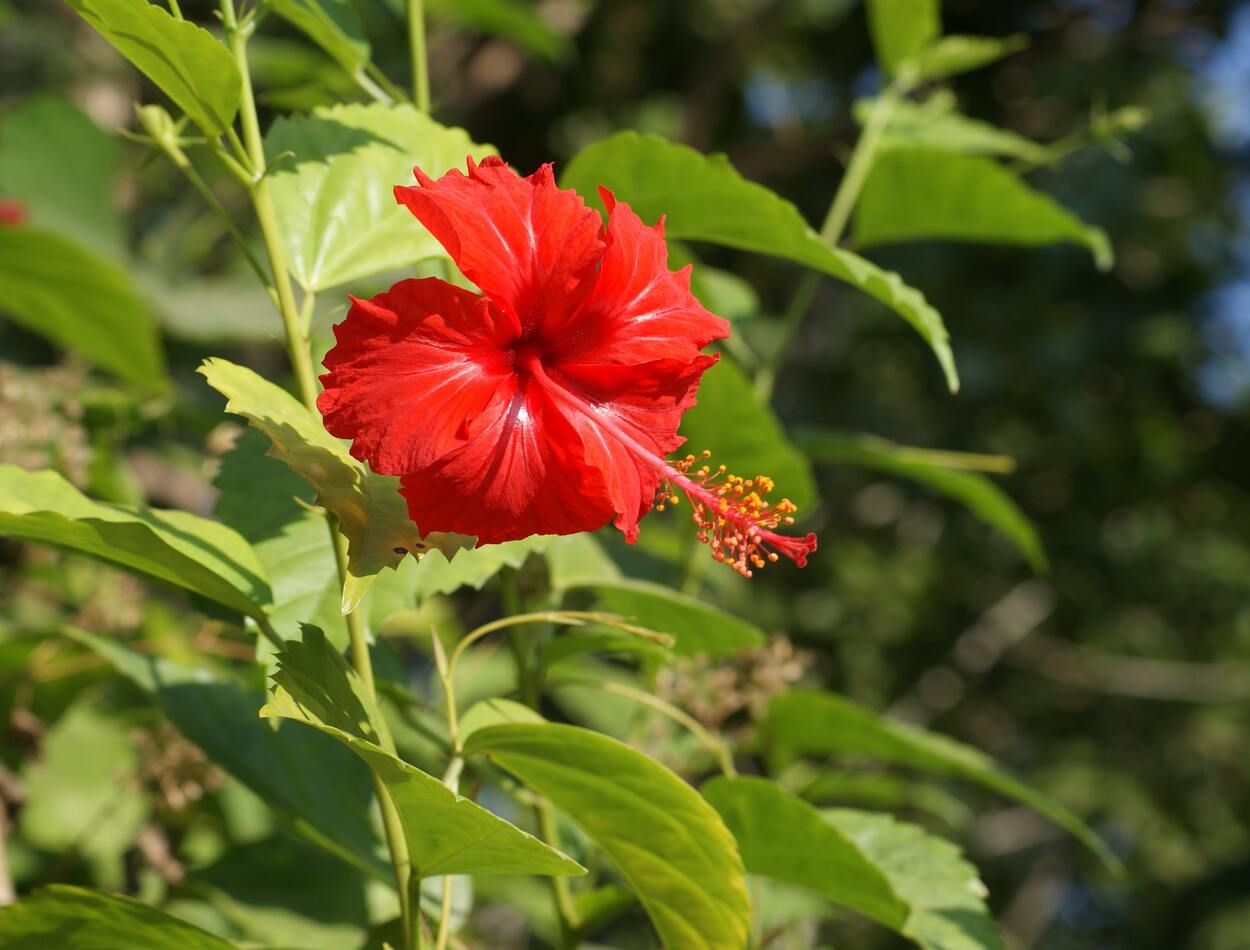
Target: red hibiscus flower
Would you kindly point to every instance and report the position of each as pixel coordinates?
(12, 213)
(547, 403)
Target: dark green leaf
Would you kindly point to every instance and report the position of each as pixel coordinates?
(901, 28)
(925, 194)
(803, 722)
(81, 301)
(980, 495)
(516, 20)
(783, 837)
(705, 199)
(668, 843)
(333, 25)
(202, 556)
(186, 62)
(75, 918)
(334, 194)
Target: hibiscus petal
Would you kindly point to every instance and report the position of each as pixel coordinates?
(411, 368)
(523, 474)
(528, 245)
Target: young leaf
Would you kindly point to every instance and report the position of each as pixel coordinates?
(803, 722)
(925, 194)
(311, 782)
(952, 55)
(944, 894)
(703, 198)
(184, 61)
(340, 221)
(783, 837)
(697, 628)
(976, 492)
(668, 843)
(62, 166)
(746, 437)
(81, 301)
(334, 25)
(371, 513)
(901, 28)
(182, 549)
(65, 916)
(937, 123)
(446, 833)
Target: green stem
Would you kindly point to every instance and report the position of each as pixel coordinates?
(416, 47)
(175, 9)
(374, 72)
(375, 91)
(836, 220)
(301, 362)
(521, 642)
(561, 893)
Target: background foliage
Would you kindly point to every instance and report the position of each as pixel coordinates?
(1085, 623)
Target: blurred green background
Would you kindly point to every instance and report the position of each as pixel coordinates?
(1118, 680)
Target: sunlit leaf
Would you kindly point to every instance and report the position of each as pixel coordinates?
(667, 842)
(446, 833)
(81, 301)
(745, 436)
(435, 574)
(937, 123)
(901, 28)
(334, 25)
(202, 556)
(926, 194)
(83, 919)
(806, 722)
(334, 193)
(976, 492)
(703, 198)
(952, 55)
(185, 61)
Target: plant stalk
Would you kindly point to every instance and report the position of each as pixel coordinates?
(417, 49)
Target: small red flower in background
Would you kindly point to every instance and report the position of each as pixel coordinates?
(12, 213)
(545, 404)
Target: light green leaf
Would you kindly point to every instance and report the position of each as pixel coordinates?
(334, 194)
(976, 492)
(446, 833)
(901, 28)
(371, 513)
(943, 892)
(494, 712)
(81, 301)
(745, 436)
(925, 194)
(61, 165)
(783, 837)
(202, 556)
(952, 55)
(186, 62)
(86, 769)
(577, 560)
(937, 123)
(698, 629)
(435, 574)
(83, 919)
(515, 20)
(311, 782)
(333, 25)
(804, 722)
(668, 843)
(705, 199)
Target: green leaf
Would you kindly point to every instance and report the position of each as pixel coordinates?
(901, 28)
(61, 165)
(435, 574)
(804, 722)
(745, 436)
(944, 893)
(698, 629)
(202, 556)
(76, 918)
(310, 781)
(783, 837)
(493, 712)
(334, 195)
(371, 513)
(184, 61)
(937, 124)
(333, 25)
(925, 194)
(952, 55)
(577, 560)
(515, 20)
(81, 301)
(86, 769)
(446, 833)
(976, 492)
(705, 199)
(669, 844)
